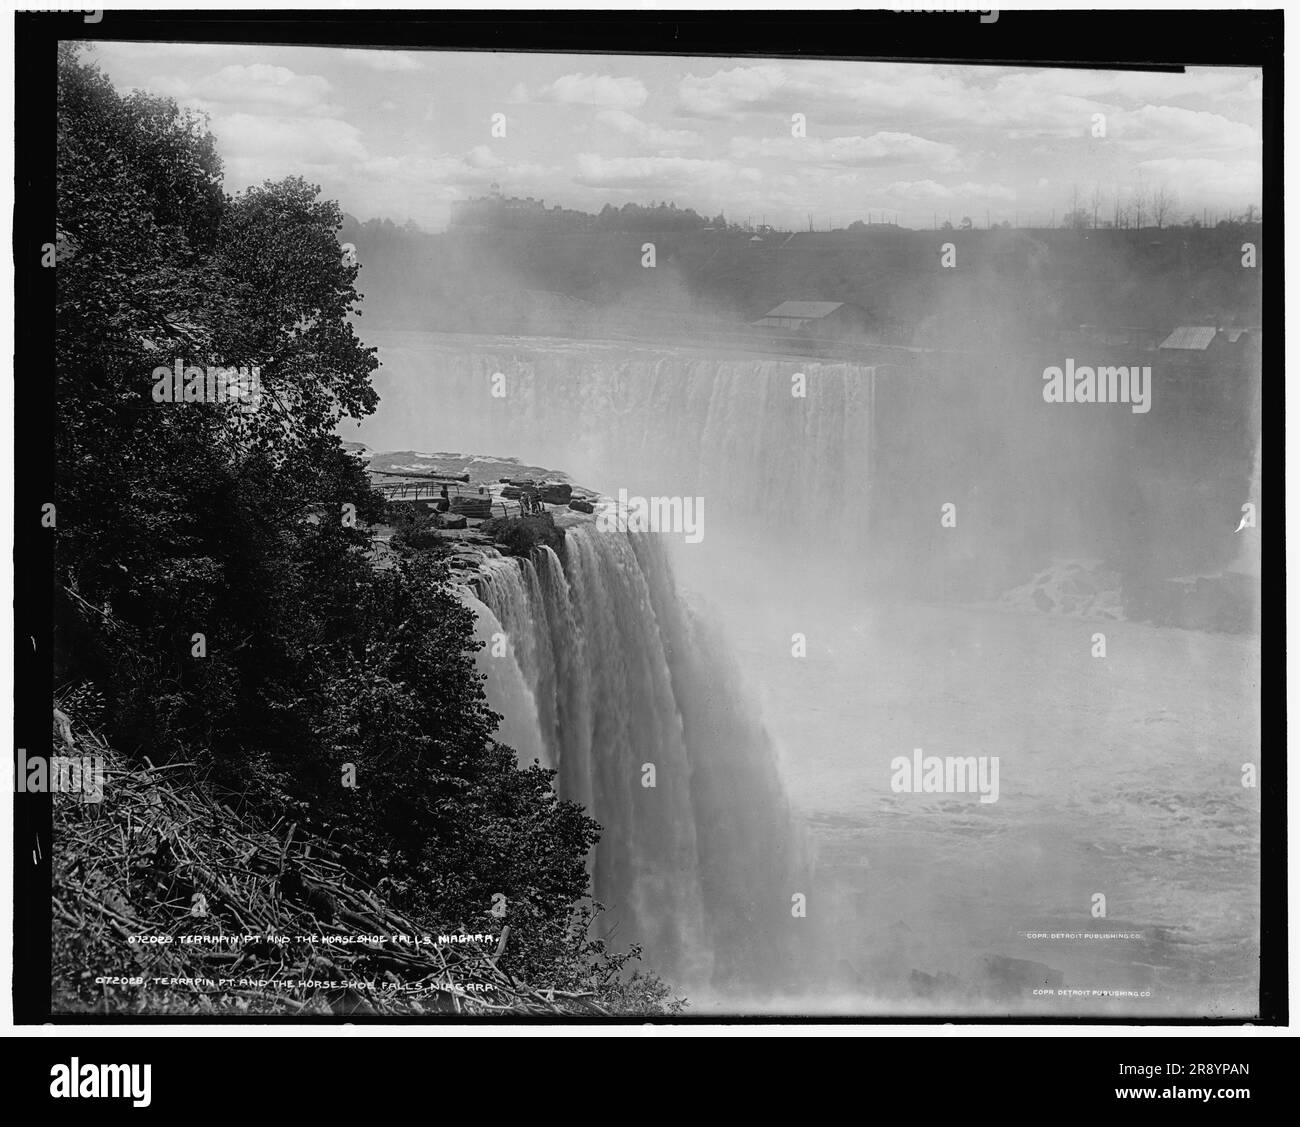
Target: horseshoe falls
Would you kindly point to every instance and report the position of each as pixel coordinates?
(766, 678)
(654, 421)
(632, 702)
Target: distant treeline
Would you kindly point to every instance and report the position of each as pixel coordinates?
(1005, 286)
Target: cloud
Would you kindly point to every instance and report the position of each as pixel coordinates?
(657, 172)
(1023, 103)
(645, 132)
(969, 191)
(1177, 126)
(1203, 178)
(728, 93)
(878, 148)
(917, 190)
(382, 60)
(589, 90)
(1117, 85)
(260, 86)
(933, 190)
(282, 141)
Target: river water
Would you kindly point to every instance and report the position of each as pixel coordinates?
(1118, 871)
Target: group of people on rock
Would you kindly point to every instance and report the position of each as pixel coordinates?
(529, 502)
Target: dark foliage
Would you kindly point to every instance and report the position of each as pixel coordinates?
(518, 536)
(246, 527)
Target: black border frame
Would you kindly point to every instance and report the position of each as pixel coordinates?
(1112, 39)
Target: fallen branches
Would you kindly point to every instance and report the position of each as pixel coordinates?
(166, 901)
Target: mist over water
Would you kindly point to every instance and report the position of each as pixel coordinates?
(772, 770)
(625, 689)
(664, 422)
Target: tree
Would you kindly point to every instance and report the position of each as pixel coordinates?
(1163, 203)
(179, 519)
(1096, 200)
(1138, 208)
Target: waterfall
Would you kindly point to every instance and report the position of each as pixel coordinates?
(657, 422)
(625, 689)
(508, 692)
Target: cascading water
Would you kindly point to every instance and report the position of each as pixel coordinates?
(608, 674)
(669, 423)
(626, 689)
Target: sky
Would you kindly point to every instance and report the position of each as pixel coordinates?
(403, 134)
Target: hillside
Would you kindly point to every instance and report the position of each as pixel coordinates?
(1006, 285)
(175, 897)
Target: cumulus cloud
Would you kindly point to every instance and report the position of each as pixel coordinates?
(283, 140)
(595, 171)
(1173, 125)
(917, 190)
(727, 93)
(932, 190)
(1205, 178)
(906, 137)
(383, 60)
(645, 132)
(878, 148)
(264, 86)
(602, 90)
(1023, 103)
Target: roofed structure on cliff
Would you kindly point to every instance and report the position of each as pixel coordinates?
(818, 318)
(1190, 338)
(1233, 348)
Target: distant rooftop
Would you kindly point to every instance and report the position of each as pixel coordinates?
(806, 309)
(1195, 338)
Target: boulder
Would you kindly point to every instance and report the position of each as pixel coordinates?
(555, 493)
(582, 506)
(454, 522)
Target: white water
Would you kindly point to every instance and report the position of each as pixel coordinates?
(656, 422)
(1120, 776)
(698, 867)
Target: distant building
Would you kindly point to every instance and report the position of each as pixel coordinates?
(1193, 346)
(497, 212)
(1116, 336)
(815, 318)
(1190, 338)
